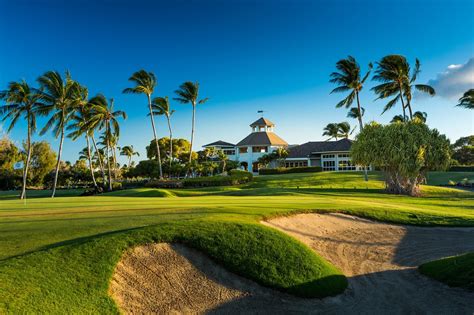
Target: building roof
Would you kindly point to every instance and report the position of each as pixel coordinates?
(219, 143)
(262, 122)
(304, 150)
(262, 138)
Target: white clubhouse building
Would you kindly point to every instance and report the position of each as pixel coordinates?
(330, 155)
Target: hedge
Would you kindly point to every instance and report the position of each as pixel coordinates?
(235, 177)
(462, 168)
(288, 170)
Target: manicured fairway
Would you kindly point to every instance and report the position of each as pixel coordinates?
(57, 254)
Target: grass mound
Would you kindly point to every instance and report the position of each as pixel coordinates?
(74, 275)
(456, 271)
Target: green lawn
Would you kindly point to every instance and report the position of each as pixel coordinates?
(57, 255)
(456, 271)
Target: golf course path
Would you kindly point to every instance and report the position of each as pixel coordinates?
(380, 261)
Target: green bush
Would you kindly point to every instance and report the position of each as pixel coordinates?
(235, 178)
(462, 168)
(288, 170)
(166, 184)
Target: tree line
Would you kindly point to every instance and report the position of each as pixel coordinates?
(73, 114)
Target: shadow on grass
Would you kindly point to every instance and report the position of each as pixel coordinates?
(74, 241)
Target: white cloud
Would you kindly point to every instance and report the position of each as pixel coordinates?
(456, 80)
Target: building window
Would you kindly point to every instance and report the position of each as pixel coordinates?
(329, 165)
(243, 150)
(346, 165)
(343, 156)
(229, 152)
(329, 156)
(259, 149)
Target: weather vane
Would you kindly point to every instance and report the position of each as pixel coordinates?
(260, 112)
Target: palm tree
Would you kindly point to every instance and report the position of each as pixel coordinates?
(331, 130)
(223, 158)
(349, 79)
(420, 116)
(188, 93)
(424, 88)
(105, 118)
(129, 152)
(59, 94)
(398, 119)
(394, 73)
(467, 100)
(344, 129)
(355, 113)
(145, 83)
(161, 106)
(22, 100)
(78, 124)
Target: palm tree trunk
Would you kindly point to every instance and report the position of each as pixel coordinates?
(58, 163)
(27, 164)
(101, 165)
(154, 135)
(192, 133)
(129, 161)
(108, 157)
(403, 102)
(114, 156)
(171, 140)
(90, 161)
(409, 109)
(361, 126)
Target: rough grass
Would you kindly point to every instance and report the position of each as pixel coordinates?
(57, 255)
(456, 271)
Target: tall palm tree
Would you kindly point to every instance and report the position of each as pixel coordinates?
(78, 125)
(59, 94)
(104, 118)
(393, 71)
(467, 100)
(22, 100)
(129, 152)
(161, 106)
(145, 83)
(331, 130)
(349, 79)
(423, 88)
(188, 93)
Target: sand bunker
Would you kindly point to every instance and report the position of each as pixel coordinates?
(379, 260)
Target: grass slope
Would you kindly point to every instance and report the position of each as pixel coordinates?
(57, 255)
(73, 277)
(456, 271)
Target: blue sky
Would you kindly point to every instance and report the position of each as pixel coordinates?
(247, 55)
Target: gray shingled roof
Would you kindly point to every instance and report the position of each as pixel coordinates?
(262, 122)
(219, 143)
(303, 150)
(262, 138)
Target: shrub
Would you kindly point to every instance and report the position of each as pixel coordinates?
(236, 177)
(462, 168)
(288, 170)
(116, 186)
(165, 184)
